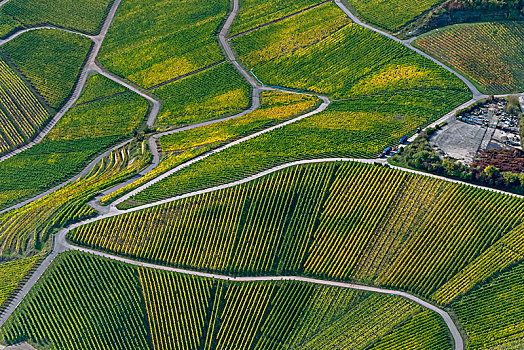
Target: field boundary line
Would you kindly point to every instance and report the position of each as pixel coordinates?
(89, 66)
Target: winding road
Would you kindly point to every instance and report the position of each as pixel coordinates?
(89, 66)
(60, 243)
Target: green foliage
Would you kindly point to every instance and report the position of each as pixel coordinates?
(147, 46)
(322, 51)
(98, 87)
(485, 52)
(275, 107)
(53, 62)
(85, 15)
(349, 221)
(27, 229)
(12, 273)
(359, 128)
(215, 92)
(100, 305)
(83, 132)
(107, 304)
(254, 13)
(492, 314)
(22, 114)
(425, 331)
(391, 14)
(7, 24)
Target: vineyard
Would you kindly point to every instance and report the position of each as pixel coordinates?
(255, 13)
(146, 46)
(82, 133)
(182, 146)
(391, 14)
(29, 227)
(492, 314)
(275, 107)
(210, 94)
(117, 306)
(53, 64)
(22, 115)
(12, 273)
(85, 15)
(320, 50)
(359, 128)
(99, 87)
(489, 53)
(320, 220)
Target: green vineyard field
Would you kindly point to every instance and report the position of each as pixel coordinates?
(391, 14)
(492, 314)
(82, 133)
(22, 114)
(255, 13)
(275, 107)
(346, 221)
(359, 128)
(489, 53)
(117, 306)
(28, 228)
(215, 92)
(53, 64)
(320, 50)
(12, 273)
(148, 47)
(85, 16)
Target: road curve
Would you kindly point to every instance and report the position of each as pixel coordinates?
(321, 108)
(62, 245)
(156, 105)
(407, 43)
(89, 67)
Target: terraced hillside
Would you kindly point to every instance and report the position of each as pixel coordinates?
(162, 310)
(359, 128)
(488, 53)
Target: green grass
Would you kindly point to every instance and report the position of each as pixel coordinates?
(391, 14)
(82, 133)
(254, 13)
(275, 107)
(215, 92)
(112, 305)
(53, 63)
(147, 46)
(12, 273)
(492, 314)
(488, 53)
(359, 128)
(322, 51)
(85, 15)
